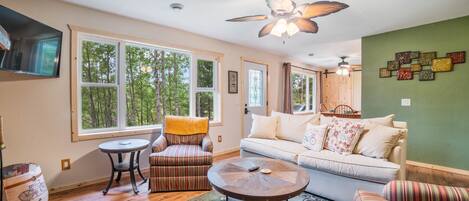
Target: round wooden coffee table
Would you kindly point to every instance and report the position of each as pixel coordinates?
(232, 178)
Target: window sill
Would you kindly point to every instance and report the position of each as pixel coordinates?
(124, 133)
(114, 134)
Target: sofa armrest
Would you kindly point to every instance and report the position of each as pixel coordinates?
(367, 196)
(159, 144)
(207, 144)
(399, 154)
(408, 190)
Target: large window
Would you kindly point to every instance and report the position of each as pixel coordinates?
(125, 85)
(303, 91)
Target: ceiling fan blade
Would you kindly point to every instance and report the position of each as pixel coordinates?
(306, 25)
(321, 8)
(248, 18)
(266, 29)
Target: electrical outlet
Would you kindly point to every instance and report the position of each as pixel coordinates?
(220, 139)
(66, 164)
(405, 102)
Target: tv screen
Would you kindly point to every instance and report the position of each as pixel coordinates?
(28, 46)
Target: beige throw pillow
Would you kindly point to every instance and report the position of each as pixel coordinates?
(263, 127)
(378, 142)
(292, 127)
(384, 121)
(314, 137)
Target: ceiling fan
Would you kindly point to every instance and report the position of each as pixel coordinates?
(344, 68)
(290, 19)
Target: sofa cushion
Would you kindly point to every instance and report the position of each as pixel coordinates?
(314, 138)
(354, 166)
(378, 142)
(181, 155)
(292, 127)
(279, 149)
(263, 127)
(343, 135)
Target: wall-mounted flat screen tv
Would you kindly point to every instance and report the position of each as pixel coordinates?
(29, 46)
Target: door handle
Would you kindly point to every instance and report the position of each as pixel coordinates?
(246, 111)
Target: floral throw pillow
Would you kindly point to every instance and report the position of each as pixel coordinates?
(343, 135)
(314, 137)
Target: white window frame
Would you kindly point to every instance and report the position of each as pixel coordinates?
(214, 89)
(310, 76)
(120, 83)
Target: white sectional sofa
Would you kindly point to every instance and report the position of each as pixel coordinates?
(333, 175)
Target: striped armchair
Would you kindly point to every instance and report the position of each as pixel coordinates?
(411, 190)
(181, 156)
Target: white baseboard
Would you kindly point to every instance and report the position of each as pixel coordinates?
(438, 167)
(59, 189)
(218, 153)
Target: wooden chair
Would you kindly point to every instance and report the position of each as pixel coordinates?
(323, 108)
(343, 109)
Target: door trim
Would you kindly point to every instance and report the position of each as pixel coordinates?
(243, 92)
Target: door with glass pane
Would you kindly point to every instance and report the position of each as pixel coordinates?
(255, 92)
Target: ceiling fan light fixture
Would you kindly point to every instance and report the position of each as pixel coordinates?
(342, 71)
(279, 28)
(292, 29)
(176, 6)
(343, 63)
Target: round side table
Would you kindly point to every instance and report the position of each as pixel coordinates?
(119, 147)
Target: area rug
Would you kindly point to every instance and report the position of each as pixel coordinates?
(216, 196)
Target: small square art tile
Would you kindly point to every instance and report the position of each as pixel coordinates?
(414, 55)
(426, 58)
(426, 75)
(416, 67)
(405, 74)
(457, 57)
(393, 65)
(403, 57)
(384, 73)
(444, 64)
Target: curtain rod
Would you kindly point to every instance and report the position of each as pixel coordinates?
(305, 68)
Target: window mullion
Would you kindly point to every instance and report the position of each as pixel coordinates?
(122, 101)
(307, 93)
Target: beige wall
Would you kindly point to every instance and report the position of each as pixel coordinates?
(37, 111)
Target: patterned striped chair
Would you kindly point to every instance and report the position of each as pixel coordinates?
(416, 191)
(181, 156)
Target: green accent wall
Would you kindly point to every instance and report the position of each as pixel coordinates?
(438, 119)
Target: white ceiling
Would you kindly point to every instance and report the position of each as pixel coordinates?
(339, 34)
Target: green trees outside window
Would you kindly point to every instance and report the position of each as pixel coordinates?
(157, 83)
(303, 92)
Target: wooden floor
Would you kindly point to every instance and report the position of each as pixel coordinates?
(124, 192)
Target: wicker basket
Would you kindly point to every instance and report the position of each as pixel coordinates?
(24, 182)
